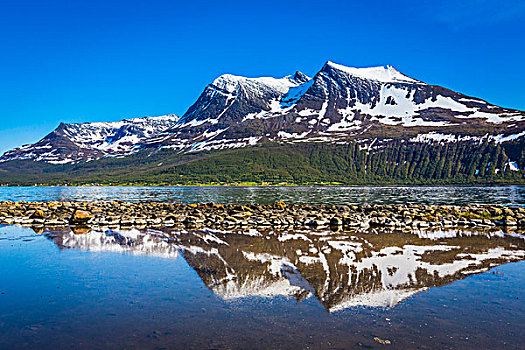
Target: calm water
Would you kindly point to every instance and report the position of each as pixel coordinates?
(167, 288)
(313, 195)
(292, 289)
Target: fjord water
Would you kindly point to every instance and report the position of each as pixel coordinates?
(292, 289)
(451, 195)
(209, 289)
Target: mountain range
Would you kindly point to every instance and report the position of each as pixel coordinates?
(369, 117)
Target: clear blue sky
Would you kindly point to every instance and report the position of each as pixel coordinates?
(94, 60)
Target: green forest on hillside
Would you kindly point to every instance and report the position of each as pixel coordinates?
(353, 163)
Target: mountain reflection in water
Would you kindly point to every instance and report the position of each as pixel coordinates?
(341, 270)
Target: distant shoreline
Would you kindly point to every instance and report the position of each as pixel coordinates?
(245, 185)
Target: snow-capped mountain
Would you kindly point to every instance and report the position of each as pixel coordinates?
(88, 141)
(339, 104)
(227, 104)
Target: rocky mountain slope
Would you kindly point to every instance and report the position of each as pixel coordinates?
(88, 141)
(337, 104)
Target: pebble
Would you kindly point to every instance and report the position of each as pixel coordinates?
(280, 214)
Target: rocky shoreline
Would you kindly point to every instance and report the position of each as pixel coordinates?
(278, 215)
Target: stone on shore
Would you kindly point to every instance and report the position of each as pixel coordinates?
(81, 217)
(278, 215)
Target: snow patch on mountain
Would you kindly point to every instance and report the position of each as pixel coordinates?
(208, 145)
(442, 137)
(88, 141)
(283, 104)
(384, 74)
(512, 137)
(230, 83)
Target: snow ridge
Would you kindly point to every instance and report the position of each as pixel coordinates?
(384, 74)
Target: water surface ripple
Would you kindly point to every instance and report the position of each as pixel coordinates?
(511, 195)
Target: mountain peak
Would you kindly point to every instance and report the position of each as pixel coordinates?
(384, 74)
(300, 77)
(230, 82)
